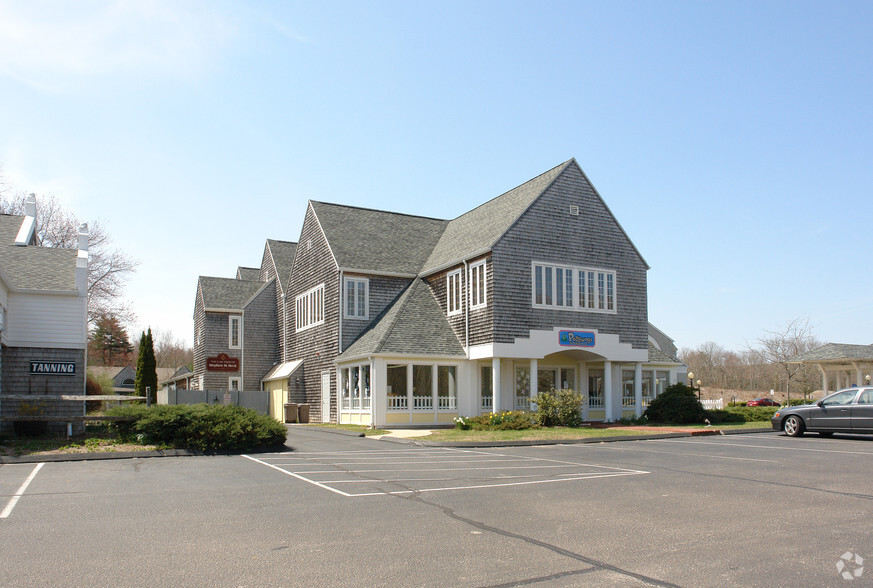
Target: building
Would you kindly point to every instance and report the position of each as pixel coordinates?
(393, 319)
(43, 322)
(840, 364)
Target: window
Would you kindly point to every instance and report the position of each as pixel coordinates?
(397, 387)
(233, 332)
(477, 285)
(357, 298)
(648, 388)
(628, 395)
(422, 387)
(595, 388)
(522, 388)
(447, 387)
(575, 288)
(233, 383)
(487, 390)
(310, 308)
(453, 292)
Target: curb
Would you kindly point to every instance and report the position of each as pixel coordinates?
(97, 456)
(329, 430)
(580, 441)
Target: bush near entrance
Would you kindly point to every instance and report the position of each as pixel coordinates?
(676, 405)
(199, 426)
(558, 408)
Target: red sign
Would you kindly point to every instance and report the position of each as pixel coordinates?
(222, 363)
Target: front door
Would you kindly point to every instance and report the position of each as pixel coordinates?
(325, 397)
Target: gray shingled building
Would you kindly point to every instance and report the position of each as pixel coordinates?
(392, 319)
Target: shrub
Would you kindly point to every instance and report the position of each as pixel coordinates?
(677, 405)
(515, 419)
(200, 427)
(749, 414)
(558, 408)
(725, 416)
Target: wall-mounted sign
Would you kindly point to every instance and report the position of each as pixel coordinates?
(576, 338)
(222, 363)
(52, 368)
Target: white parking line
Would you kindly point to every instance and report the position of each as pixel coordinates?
(17, 496)
(762, 446)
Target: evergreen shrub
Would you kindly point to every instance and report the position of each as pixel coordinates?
(676, 405)
(558, 408)
(499, 421)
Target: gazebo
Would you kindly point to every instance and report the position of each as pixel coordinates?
(844, 364)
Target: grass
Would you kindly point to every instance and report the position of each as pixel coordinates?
(552, 433)
(365, 429)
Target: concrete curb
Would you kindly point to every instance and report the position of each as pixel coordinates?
(583, 440)
(334, 431)
(96, 456)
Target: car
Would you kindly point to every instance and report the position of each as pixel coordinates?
(847, 411)
(761, 402)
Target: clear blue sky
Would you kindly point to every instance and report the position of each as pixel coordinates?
(733, 141)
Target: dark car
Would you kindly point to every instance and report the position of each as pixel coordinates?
(761, 402)
(846, 411)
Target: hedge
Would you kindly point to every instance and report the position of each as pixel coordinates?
(199, 426)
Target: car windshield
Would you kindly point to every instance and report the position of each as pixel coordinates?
(844, 397)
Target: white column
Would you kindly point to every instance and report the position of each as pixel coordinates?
(607, 390)
(824, 380)
(638, 389)
(534, 381)
(582, 387)
(495, 384)
(858, 377)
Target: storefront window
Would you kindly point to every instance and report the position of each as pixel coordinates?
(422, 387)
(354, 384)
(397, 387)
(365, 387)
(545, 380)
(447, 387)
(627, 391)
(648, 387)
(487, 388)
(595, 388)
(345, 388)
(522, 388)
(662, 379)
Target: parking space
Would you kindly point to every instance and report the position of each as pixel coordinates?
(403, 471)
(14, 481)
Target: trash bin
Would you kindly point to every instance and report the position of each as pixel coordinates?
(290, 412)
(303, 413)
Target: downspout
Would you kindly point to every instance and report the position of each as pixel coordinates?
(467, 309)
(284, 327)
(340, 342)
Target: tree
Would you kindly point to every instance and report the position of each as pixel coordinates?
(108, 343)
(146, 372)
(791, 339)
(108, 268)
(171, 352)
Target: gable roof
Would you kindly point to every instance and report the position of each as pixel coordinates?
(282, 253)
(50, 269)
(388, 243)
(251, 274)
(479, 229)
(227, 293)
(399, 328)
(836, 352)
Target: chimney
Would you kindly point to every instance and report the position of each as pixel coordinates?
(82, 260)
(27, 231)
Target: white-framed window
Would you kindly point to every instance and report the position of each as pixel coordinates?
(453, 292)
(357, 298)
(234, 325)
(233, 383)
(425, 387)
(310, 308)
(573, 288)
(478, 286)
(355, 382)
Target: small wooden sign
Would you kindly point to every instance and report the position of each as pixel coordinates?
(52, 368)
(222, 363)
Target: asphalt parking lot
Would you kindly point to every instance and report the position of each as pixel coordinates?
(741, 510)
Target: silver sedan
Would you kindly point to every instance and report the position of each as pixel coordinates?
(846, 411)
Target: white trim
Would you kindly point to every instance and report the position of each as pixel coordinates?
(313, 306)
(539, 344)
(372, 272)
(230, 380)
(577, 294)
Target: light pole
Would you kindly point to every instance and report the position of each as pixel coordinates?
(691, 384)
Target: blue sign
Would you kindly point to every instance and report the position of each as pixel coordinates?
(576, 338)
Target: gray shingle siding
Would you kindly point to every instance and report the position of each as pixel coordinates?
(259, 338)
(383, 291)
(547, 232)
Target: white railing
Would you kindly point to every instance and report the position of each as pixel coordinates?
(487, 402)
(713, 404)
(595, 402)
(422, 402)
(397, 403)
(628, 401)
(346, 403)
(522, 403)
(447, 403)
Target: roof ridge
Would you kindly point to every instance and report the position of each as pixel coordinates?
(392, 212)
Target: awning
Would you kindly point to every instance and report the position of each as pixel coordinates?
(282, 371)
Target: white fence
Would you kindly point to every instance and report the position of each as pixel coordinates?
(716, 403)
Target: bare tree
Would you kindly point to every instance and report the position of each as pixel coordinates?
(108, 268)
(791, 339)
(170, 351)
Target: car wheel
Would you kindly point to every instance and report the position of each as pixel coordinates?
(826, 433)
(794, 426)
